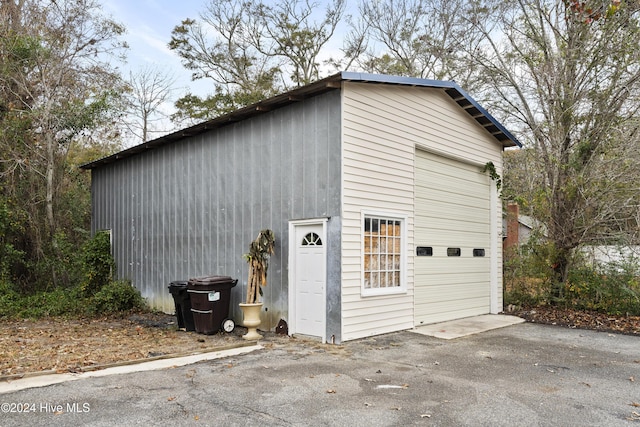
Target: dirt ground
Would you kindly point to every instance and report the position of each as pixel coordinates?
(628, 325)
(29, 347)
(64, 345)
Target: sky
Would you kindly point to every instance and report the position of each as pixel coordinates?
(149, 24)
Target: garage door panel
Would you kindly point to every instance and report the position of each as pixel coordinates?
(448, 313)
(455, 186)
(447, 224)
(453, 240)
(446, 200)
(462, 214)
(457, 301)
(464, 237)
(441, 262)
(452, 179)
(469, 271)
(441, 166)
(464, 196)
(452, 210)
(458, 239)
(465, 283)
(457, 287)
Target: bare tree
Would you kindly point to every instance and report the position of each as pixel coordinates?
(297, 38)
(55, 86)
(149, 90)
(251, 50)
(233, 57)
(567, 75)
(221, 46)
(418, 38)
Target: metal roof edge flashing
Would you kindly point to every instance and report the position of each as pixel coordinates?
(507, 136)
(453, 90)
(333, 82)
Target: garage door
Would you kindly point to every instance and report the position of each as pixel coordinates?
(452, 236)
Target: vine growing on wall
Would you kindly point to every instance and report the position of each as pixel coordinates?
(493, 174)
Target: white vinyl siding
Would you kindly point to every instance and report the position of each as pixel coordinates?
(377, 177)
(382, 126)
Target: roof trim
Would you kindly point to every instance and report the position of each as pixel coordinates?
(455, 92)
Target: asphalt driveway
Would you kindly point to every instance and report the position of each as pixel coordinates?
(521, 375)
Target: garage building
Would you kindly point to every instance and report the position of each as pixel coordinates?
(374, 186)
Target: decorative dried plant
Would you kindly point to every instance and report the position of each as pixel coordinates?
(260, 250)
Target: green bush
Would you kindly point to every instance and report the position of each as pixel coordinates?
(9, 255)
(99, 265)
(609, 288)
(612, 288)
(526, 291)
(113, 298)
(527, 274)
(58, 302)
(119, 296)
(8, 299)
(60, 266)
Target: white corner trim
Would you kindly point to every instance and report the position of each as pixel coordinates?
(495, 246)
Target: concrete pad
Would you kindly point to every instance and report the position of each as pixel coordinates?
(467, 326)
(46, 380)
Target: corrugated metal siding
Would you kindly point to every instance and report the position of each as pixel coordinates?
(191, 208)
(382, 127)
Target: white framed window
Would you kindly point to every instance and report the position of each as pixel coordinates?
(383, 253)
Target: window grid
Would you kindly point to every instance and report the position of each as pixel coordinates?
(382, 252)
(311, 239)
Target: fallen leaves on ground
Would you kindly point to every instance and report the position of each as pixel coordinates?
(74, 345)
(635, 416)
(63, 345)
(629, 325)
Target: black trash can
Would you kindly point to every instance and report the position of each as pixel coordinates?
(210, 298)
(182, 302)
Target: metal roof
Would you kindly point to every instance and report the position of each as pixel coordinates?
(464, 100)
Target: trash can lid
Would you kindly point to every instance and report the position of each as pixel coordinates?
(210, 280)
(178, 283)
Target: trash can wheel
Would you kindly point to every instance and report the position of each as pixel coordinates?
(228, 325)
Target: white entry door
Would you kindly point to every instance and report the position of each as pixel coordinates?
(309, 279)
